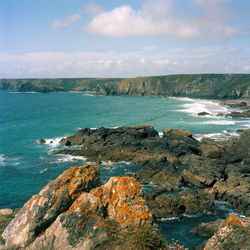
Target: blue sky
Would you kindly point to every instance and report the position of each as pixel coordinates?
(119, 38)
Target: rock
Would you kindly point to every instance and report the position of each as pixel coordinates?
(180, 142)
(55, 198)
(233, 233)
(6, 215)
(207, 229)
(203, 113)
(65, 216)
(174, 204)
(244, 114)
(237, 105)
(41, 141)
(123, 199)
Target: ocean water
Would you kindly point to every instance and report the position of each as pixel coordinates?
(26, 166)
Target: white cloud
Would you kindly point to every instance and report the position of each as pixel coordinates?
(165, 17)
(128, 64)
(63, 23)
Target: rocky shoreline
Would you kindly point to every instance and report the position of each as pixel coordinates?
(77, 211)
(188, 173)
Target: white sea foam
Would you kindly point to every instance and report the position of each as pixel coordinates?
(219, 122)
(2, 158)
(43, 170)
(167, 219)
(160, 134)
(69, 158)
(88, 95)
(53, 142)
(196, 106)
(216, 136)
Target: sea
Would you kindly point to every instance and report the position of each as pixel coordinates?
(26, 166)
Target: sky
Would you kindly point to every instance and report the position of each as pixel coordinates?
(123, 38)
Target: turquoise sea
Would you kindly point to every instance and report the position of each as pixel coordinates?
(26, 166)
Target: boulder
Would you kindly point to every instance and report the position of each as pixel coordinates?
(73, 212)
(55, 198)
(207, 229)
(233, 233)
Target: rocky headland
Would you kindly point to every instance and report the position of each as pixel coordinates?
(212, 86)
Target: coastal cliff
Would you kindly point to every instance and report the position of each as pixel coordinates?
(216, 86)
(76, 212)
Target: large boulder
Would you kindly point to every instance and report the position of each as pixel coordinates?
(71, 212)
(55, 198)
(233, 233)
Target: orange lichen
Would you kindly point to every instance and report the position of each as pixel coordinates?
(233, 220)
(74, 180)
(125, 204)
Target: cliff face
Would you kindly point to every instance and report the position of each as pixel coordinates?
(65, 215)
(201, 86)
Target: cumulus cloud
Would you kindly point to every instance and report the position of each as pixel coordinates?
(66, 22)
(164, 17)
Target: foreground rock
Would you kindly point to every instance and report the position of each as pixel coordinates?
(72, 212)
(215, 170)
(233, 233)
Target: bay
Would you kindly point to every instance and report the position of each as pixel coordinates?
(26, 166)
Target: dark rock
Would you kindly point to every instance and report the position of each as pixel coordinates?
(42, 141)
(207, 229)
(244, 114)
(203, 113)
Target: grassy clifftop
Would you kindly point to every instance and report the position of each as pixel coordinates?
(200, 85)
(53, 84)
(218, 86)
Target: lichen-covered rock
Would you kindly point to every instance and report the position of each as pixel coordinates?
(82, 226)
(233, 233)
(72, 213)
(55, 198)
(123, 199)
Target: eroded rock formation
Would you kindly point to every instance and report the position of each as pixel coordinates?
(74, 212)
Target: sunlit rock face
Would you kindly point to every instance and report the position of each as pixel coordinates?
(72, 211)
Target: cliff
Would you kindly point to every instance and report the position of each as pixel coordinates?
(217, 86)
(76, 212)
(53, 85)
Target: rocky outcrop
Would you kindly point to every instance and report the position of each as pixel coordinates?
(207, 229)
(233, 233)
(174, 162)
(75, 212)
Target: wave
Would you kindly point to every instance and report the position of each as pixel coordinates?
(88, 95)
(43, 170)
(69, 158)
(217, 136)
(219, 122)
(167, 219)
(53, 142)
(21, 92)
(196, 106)
(2, 158)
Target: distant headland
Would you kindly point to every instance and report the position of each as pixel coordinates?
(210, 86)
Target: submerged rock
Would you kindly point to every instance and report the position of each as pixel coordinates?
(72, 212)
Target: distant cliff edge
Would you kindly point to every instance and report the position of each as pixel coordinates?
(216, 86)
